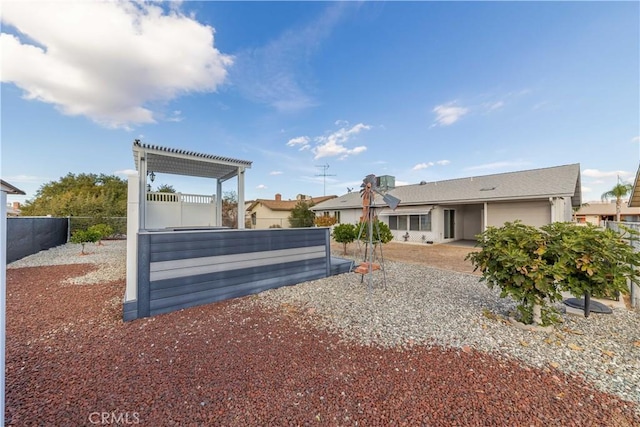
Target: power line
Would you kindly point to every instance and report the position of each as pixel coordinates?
(324, 176)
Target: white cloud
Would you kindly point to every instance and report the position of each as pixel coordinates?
(126, 172)
(277, 73)
(494, 106)
(300, 141)
(498, 165)
(443, 162)
(401, 183)
(586, 189)
(448, 114)
(420, 166)
(23, 178)
(636, 139)
(108, 60)
(261, 187)
(595, 173)
(334, 144)
(273, 173)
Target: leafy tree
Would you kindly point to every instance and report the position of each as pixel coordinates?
(166, 188)
(344, 233)
(591, 261)
(512, 259)
(230, 209)
(533, 265)
(80, 195)
(85, 236)
(301, 215)
(619, 191)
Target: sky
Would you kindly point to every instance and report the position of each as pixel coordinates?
(319, 95)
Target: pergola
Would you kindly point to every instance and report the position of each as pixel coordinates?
(151, 159)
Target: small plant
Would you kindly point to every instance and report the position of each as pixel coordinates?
(103, 230)
(344, 233)
(85, 236)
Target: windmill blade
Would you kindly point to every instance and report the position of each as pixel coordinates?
(393, 202)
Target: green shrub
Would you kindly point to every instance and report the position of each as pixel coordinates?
(381, 232)
(103, 230)
(344, 233)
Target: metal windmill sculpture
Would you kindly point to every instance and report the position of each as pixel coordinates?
(369, 225)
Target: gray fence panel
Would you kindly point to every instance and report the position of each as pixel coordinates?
(188, 288)
(30, 235)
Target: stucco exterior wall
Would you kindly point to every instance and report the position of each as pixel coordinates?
(472, 221)
(536, 213)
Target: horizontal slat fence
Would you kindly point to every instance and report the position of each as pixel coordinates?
(187, 268)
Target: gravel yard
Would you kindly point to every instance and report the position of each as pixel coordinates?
(432, 348)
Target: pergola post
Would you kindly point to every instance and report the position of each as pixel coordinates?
(218, 203)
(142, 182)
(240, 198)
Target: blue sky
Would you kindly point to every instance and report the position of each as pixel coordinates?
(418, 90)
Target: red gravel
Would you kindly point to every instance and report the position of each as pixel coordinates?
(71, 360)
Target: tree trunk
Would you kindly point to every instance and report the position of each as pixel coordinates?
(537, 314)
(618, 208)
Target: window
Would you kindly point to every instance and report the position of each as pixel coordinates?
(393, 222)
(414, 222)
(425, 222)
(402, 222)
(336, 214)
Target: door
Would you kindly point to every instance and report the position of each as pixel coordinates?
(449, 224)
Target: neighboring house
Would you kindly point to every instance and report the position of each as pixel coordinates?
(634, 200)
(459, 209)
(597, 212)
(13, 209)
(265, 213)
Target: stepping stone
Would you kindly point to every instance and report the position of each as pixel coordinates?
(594, 306)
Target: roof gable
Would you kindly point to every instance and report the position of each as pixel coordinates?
(286, 205)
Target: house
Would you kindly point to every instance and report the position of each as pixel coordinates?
(634, 200)
(13, 209)
(459, 209)
(266, 213)
(597, 212)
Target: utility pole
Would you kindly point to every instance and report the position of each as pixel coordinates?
(324, 176)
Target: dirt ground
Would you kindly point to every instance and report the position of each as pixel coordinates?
(444, 256)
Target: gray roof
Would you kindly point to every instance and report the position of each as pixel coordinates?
(189, 163)
(558, 181)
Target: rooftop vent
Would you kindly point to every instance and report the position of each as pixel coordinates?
(487, 188)
(423, 182)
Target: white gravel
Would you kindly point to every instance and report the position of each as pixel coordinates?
(422, 305)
